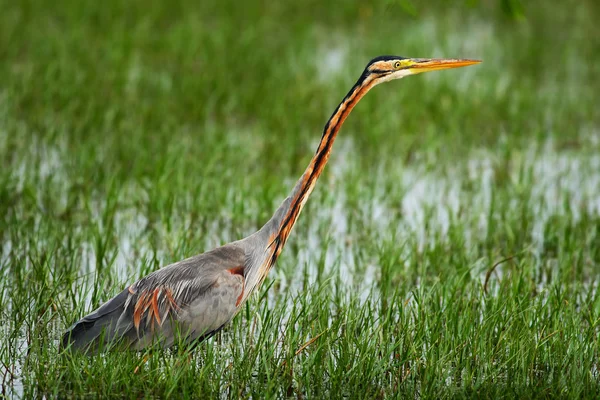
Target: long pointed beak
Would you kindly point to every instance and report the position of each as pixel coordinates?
(436, 64)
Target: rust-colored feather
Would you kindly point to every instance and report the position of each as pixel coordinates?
(239, 271)
(139, 310)
(241, 296)
(155, 306)
(147, 305)
(172, 302)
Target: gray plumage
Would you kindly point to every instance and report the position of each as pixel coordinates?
(182, 303)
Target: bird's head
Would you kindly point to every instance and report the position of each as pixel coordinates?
(387, 68)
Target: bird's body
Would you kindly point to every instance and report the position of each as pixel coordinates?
(181, 303)
(192, 299)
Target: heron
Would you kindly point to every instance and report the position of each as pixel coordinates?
(191, 300)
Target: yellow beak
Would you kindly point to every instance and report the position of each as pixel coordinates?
(436, 64)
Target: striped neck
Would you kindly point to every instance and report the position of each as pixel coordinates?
(287, 214)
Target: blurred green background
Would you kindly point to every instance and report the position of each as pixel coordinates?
(133, 134)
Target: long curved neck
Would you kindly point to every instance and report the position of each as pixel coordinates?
(285, 217)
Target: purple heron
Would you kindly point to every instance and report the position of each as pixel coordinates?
(192, 299)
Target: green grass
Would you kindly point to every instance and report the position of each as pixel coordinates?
(134, 134)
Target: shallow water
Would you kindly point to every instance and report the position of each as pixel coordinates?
(560, 183)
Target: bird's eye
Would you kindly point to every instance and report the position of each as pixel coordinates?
(397, 65)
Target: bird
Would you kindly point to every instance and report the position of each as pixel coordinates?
(189, 301)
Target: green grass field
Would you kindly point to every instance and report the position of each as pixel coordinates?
(135, 134)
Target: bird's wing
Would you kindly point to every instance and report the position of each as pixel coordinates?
(188, 300)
